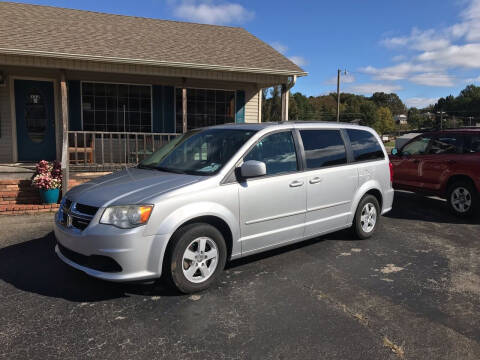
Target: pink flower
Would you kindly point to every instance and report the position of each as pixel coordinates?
(48, 175)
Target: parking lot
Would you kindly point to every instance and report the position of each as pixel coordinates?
(412, 291)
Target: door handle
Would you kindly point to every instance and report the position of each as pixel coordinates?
(315, 180)
(296, 183)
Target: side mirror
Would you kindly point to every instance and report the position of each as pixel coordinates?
(253, 168)
(394, 151)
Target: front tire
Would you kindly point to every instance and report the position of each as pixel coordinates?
(462, 198)
(366, 217)
(196, 258)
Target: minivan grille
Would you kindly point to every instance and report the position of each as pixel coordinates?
(76, 215)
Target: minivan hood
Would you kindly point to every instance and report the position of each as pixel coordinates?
(130, 186)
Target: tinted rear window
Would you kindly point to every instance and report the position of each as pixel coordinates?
(364, 145)
(446, 144)
(472, 143)
(323, 148)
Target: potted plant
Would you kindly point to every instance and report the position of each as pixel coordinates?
(48, 180)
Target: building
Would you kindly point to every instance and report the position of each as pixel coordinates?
(400, 119)
(94, 89)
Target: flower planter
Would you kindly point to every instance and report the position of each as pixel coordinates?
(49, 196)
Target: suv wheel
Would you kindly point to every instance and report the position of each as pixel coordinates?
(366, 217)
(462, 198)
(196, 258)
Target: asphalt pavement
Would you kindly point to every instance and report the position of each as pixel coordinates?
(412, 291)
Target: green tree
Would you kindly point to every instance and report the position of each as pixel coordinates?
(384, 120)
(392, 101)
(415, 118)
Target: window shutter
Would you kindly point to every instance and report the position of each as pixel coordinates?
(240, 107)
(74, 105)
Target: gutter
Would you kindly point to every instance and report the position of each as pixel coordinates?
(130, 61)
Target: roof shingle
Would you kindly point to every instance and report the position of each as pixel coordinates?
(59, 32)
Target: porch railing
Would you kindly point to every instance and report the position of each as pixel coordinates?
(98, 150)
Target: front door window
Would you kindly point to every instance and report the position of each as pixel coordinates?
(36, 117)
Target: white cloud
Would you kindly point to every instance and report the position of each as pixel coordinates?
(419, 102)
(370, 88)
(466, 56)
(299, 60)
(435, 53)
(433, 79)
(281, 48)
(425, 40)
(209, 13)
(397, 72)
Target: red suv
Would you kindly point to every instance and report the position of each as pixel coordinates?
(443, 163)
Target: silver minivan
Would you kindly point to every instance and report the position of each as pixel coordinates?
(221, 193)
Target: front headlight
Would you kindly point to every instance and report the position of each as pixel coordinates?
(126, 217)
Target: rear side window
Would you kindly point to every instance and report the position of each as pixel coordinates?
(446, 144)
(323, 148)
(472, 144)
(277, 151)
(364, 145)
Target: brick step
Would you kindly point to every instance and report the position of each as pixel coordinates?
(18, 209)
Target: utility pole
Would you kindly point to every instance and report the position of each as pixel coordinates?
(338, 95)
(441, 119)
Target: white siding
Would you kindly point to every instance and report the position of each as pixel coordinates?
(252, 102)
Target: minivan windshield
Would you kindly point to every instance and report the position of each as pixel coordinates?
(198, 152)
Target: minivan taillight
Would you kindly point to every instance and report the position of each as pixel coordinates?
(391, 171)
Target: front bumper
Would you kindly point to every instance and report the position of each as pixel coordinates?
(140, 257)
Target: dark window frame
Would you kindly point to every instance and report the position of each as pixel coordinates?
(178, 106)
(118, 94)
(467, 142)
(298, 157)
(342, 138)
(352, 151)
(460, 148)
(415, 139)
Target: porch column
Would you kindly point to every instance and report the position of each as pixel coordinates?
(65, 154)
(184, 109)
(285, 94)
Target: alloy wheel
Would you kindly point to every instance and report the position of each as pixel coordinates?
(200, 260)
(461, 199)
(368, 217)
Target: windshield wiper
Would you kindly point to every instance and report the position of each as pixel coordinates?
(175, 171)
(150, 167)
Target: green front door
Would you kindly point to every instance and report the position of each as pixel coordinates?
(35, 115)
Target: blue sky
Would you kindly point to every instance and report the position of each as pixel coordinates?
(422, 49)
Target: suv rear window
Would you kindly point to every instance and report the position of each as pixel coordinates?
(364, 145)
(446, 144)
(323, 148)
(472, 144)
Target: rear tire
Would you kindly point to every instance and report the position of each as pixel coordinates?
(196, 257)
(462, 198)
(366, 218)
